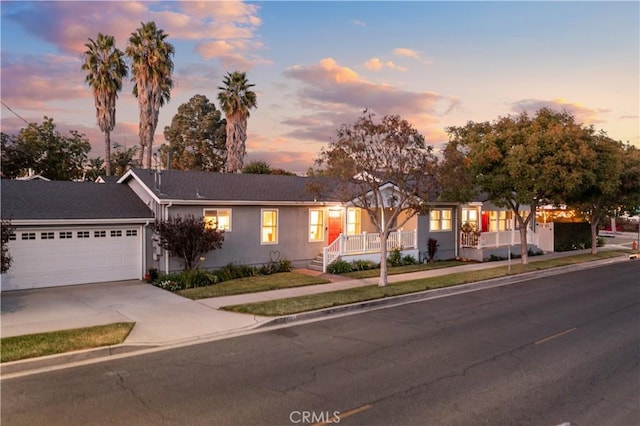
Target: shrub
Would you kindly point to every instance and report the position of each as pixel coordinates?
(171, 282)
(339, 267)
(408, 260)
(197, 278)
(275, 266)
(432, 248)
(363, 265)
(600, 242)
(395, 257)
(571, 236)
(153, 274)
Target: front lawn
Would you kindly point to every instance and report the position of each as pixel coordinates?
(41, 344)
(394, 270)
(299, 304)
(252, 285)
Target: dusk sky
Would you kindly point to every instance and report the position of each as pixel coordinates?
(316, 65)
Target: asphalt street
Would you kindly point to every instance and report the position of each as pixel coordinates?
(563, 349)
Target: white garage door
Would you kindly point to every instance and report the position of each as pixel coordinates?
(73, 255)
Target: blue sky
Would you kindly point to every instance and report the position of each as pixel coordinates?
(316, 65)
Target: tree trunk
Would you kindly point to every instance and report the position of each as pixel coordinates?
(594, 236)
(524, 255)
(107, 153)
(383, 259)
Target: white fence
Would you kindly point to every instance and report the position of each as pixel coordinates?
(495, 239)
(367, 243)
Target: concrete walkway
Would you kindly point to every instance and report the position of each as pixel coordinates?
(163, 318)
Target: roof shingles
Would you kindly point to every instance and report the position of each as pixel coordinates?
(58, 200)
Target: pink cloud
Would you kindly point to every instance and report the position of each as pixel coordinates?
(328, 83)
(582, 113)
(68, 26)
(336, 95)
(377, 64)
(32, 82)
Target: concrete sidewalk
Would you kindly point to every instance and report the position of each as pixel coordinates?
(163, 318)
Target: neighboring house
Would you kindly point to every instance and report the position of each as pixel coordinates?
(487, 230)
(107, 179)
(72, 233)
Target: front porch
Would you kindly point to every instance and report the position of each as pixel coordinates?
(479, 246)
(367, 246)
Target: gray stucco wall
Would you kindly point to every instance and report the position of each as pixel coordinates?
(242, 243)
(446, 239)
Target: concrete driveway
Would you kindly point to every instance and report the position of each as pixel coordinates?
(161, 317)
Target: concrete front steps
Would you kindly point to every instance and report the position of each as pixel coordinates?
(316, 264)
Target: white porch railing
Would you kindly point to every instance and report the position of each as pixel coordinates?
(366, 243)
(495, 239)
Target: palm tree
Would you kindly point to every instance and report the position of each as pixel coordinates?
(105, 68)
(236, 100)
(151, 68)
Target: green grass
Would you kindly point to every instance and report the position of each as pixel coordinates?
(41, 344)
(370, 273)
(252, 285)
(360, 294)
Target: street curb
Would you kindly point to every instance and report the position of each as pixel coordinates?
(12, 368)
(402, 299)
(48, 361)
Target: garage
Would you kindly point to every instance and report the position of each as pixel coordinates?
(68, 233)
(73, 255)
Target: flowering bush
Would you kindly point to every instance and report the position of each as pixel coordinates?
(169, 285)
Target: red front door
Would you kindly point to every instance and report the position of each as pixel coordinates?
(335, 224)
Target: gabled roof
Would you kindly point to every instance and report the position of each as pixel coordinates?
(181, 185)
(64, 200)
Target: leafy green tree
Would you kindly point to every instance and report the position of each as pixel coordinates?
(16, 158)
(93, 169)
(383, 167)
(8, 230)
(524, 160)
(123, 158)
(236, 100)
(187, 237)
(151, 67)
(197, 137)
(599, 193)
(105, 68)
(43, 149)
(260, 167)
(257, 168)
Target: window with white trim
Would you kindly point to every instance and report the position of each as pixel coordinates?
(470, 217)
(440, 220)
(82, 234)
(354, 224)
(269, 226)
(316, 225)
(99, 234)
(65, 235)
(28, 236)
(117, 233)
(218, 219)
(132, 232)
(499, 221)
(47, 235)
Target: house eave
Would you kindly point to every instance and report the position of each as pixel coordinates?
(174, 202)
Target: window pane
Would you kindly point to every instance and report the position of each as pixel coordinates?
(316, 225)
(269, 226)
(220, 219)
(353, 222)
